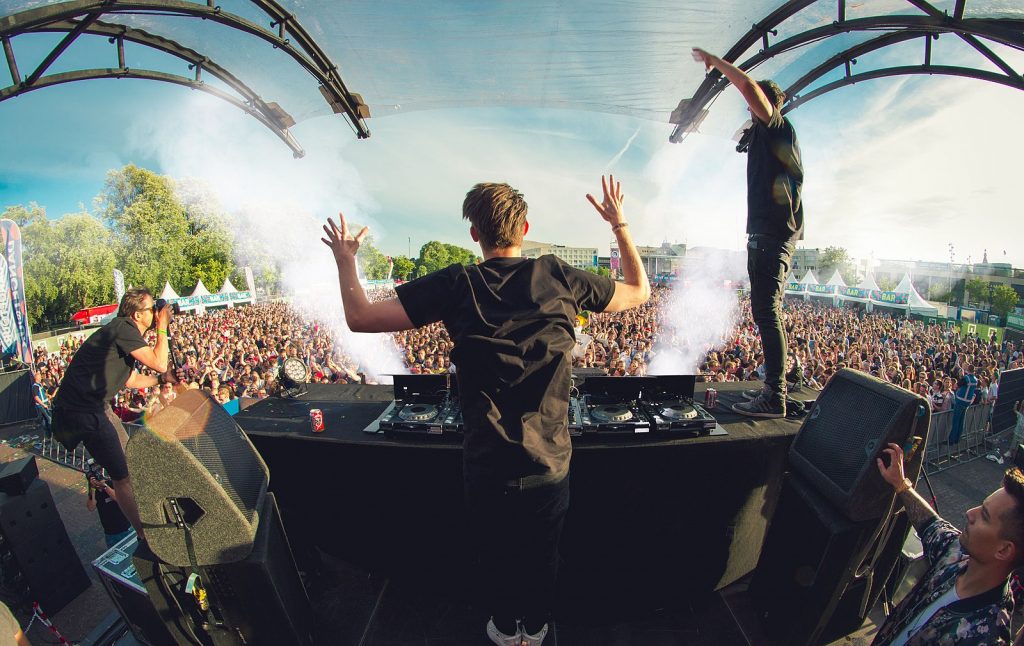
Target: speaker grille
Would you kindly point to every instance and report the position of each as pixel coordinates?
(213, 437)
(842, 434)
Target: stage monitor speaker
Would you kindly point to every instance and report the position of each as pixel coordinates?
(260, 599)
(36, 545)
(853, 419)
(16, 476)
(193, 461)
(807, 562)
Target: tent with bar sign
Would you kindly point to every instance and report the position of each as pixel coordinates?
(829, 290)
(800, 288)
(904, 297)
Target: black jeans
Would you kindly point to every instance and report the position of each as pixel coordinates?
(516, 533)
(768, 263)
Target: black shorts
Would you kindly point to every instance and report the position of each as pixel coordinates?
(101, 432)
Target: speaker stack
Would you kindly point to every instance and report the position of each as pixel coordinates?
(836, 533)
(37, 560)
(214, 531)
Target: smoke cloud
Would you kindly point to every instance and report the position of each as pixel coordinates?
(278, 202)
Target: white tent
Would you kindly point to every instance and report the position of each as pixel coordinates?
(168, 294)
(861, 293)
(200, 289)
(228, 287)
(904, 297)
(806, 282)
(235, 296)
(793, 286)
(830, 290)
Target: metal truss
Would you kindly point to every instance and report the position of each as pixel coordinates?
(77, 17)
(899, 28)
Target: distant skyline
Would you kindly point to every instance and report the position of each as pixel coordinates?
(895, 169)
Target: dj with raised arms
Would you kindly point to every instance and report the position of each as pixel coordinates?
(511, 320)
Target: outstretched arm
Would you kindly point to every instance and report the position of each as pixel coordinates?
(748, 87)
(636, 289)
(360, 314)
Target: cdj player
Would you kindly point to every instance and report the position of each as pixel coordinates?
(669, 404)
(611, 406)
(423, 405)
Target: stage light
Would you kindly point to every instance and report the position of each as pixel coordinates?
(293, 375)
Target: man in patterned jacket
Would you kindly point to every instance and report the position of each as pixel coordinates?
(964, 598)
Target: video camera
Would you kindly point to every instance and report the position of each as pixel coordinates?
(162, 303)
(93, 470)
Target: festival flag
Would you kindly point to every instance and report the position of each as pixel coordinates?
(249, 281)
(15, 335)
(118, 286)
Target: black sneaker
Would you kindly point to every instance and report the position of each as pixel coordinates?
(762, 406)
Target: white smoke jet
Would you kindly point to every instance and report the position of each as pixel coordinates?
(278, 201)
(697, 316)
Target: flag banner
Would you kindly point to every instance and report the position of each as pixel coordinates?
(15, 335)
(118, 286)
(249, 281)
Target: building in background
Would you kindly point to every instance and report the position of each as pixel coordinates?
(580, 257)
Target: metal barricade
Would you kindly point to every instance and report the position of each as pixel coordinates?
(974, 441)
(49, 448)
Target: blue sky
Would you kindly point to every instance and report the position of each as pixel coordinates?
(894, 169)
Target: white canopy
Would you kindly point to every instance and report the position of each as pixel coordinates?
(837, 280)
(168, 294)
(200, 289)
(915, 303)
(228, 287)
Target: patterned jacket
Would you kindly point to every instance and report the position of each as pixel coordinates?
(981, 619)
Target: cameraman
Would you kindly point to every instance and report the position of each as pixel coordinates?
(103, 499)
(101, 367)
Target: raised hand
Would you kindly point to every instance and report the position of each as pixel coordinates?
(340, 240)
(611, 207)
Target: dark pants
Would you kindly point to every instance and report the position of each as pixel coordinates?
(516, 532)
(768, 263)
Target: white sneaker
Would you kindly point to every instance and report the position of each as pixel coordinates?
(501, 639)
(534, 640)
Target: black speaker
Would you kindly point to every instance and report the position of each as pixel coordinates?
(35, 551)
(193, 460)
(16, 476)
(809, 558)
(851, 422)
(260, 599)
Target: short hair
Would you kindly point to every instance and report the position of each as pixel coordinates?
(133, 301)
(774, 93)
(1013, 519)
(497, 212)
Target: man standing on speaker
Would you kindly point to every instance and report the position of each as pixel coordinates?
(98, 370)
(775, 221)
(964, 598)
(511, 320)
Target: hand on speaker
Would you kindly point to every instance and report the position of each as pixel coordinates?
(890, 465)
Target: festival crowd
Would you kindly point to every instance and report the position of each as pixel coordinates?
(236, 352)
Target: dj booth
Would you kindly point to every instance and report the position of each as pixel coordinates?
(654, 517)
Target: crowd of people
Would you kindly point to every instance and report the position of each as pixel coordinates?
(236, 352)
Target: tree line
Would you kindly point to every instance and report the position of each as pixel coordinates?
(158, 230)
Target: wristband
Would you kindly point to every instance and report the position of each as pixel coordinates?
(620, 225)
(161, 331)
(905, 486)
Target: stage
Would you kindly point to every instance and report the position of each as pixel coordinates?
(655, 522)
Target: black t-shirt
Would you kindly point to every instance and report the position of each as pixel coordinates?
(100, 367)
(511, 320)
(775, 178)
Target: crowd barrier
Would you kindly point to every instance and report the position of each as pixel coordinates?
(975, 440)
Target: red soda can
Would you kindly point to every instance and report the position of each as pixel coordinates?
(710, 398)
(316, 420)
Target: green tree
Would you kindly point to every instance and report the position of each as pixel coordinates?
(404, 267)
(600, 271)
(833, 258)
(209, 254)
(69, 263)
(886, 284)
(939, 292)
(1004, 299)
(977, 290)
(437, 255)
(149, 227)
